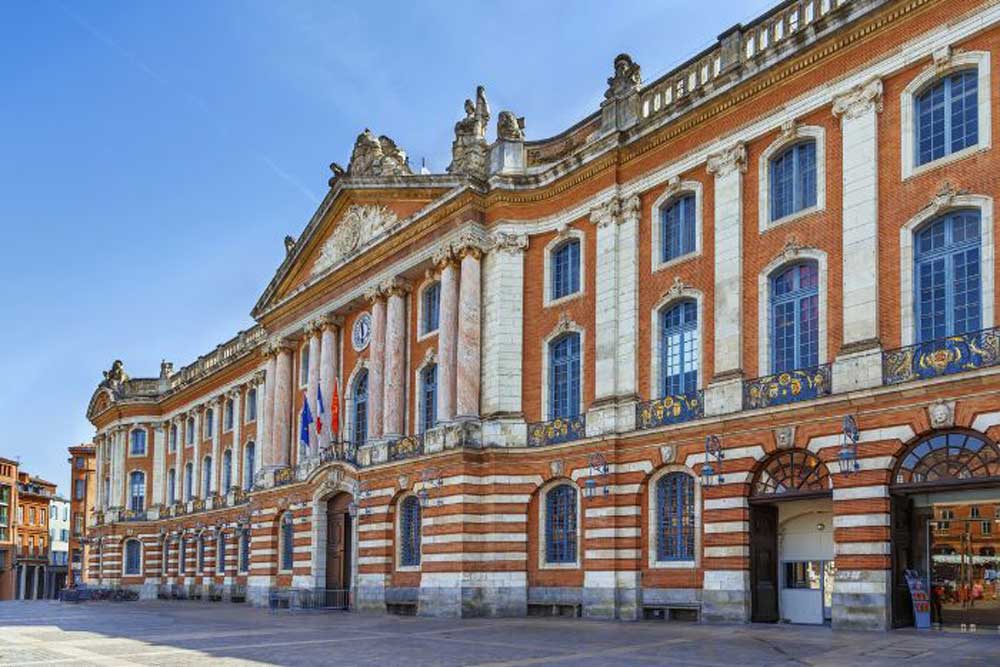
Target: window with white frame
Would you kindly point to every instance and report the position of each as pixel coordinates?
(430, 308)
(190, 431)
(209, 423)
(137, 491)
(561, 525)
(244, 565)
(206, 476)
(946, 110)
(359, 417)
(565, 269)
(304, 365)
(227, 470)
(287, 541)
(251, 411)
(428, 397)
(794, 319)
(227, 415)
(173, 437)
(171, 486)
(249, 469)
(679, 348)
(409, 532)
(792, 176)
(188, 481)
(133, 557)
(138, 442)
(678, 227)
(676, 526)
(564, 376)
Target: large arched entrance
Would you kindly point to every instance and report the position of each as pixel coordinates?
(339, 547)
(791, 539)
(945, 493)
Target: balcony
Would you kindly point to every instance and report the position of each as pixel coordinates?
(668, 410)
(556, 431)
(942, 356)
(134, 515)
(802, 384)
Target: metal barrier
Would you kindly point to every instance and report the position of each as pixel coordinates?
(308, 599)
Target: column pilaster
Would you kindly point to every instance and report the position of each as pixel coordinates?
(329, 371)
(859, 363)
(198, 414)
(725, 393)
(376, 364)
(236, 465)
(160, 435)
(468, 351)
(444, 259)
(314, 332)
(265, 429)
(282, 406)
(216, 472)
(395, 359)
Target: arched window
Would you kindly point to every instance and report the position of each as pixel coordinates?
(677, 228)
(188, 481)
(360, 416)
(566, 269)
(430, 308)
(947, 278)
(133, 557)
(793, 180)
(202, 543)
(791, 471)
(206, 477)
(564, 376)
(949, 456)
(560, 524)
(137, 491)
(428, 397)
(251, 410)
(675, 517)
(409, 532)
(227, 470)
(679, 349)
(248, 466)
(244, 550)
(171, 486)
(947, 116)
(287, 539)
(795, 318)
(220, 553)
(138, 446)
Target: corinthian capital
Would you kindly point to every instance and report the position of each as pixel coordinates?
(728, 160)
(395, 287)
(859, 100)
(469, 243)
(508, 242)
(606, 213)
(630, 209)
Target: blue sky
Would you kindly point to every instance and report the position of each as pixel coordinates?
(153, 155)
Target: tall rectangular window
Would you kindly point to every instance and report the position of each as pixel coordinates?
(566, 269)
(564, 376)
(679, 349)
(431, 307)
(947, 115)
(795, 318)
(793, 180)
(428, 388)
(677, 228)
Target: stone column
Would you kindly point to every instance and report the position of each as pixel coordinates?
(265, 431)
(503, 321)
(628, 305)
(179, 460)
(328, 373)
(282, 407)
(859, 364)
(468, 349)
(394, 381)
(314, 331)
(117, 463)
(220, 416)
(605, 218)
(235, 469)
(725, 393)
(376, 364)
(99, 499)
(263, 418)
(22, 576)
(160, 435)
(447, 334)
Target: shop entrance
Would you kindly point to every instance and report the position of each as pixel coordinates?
(791, 540)
(946, 528)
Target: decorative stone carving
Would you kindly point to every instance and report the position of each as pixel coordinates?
(677, 288)
(510, 127)
(564, 324)
(859, 100)
(166, 369)
(673, 187)
(784, 437)
(430, 356)
(469, 243)
(289, 244)
(606, 213)
(394, 286)
(116, 376)
(792, 248)
(361, 224)
(630, 209)
(403, 481)
(361, 332)
(941, 414)
(469, 150)
(626, 80)
(374, 157)
(945, 197)
(727, 161)
(556, 467)
(942, 57)
(668, 453)
(789, 129)
(443, 256)
(508, 242)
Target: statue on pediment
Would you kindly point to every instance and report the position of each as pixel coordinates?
(626, 80)
(510, 127)
(469, 150)
(373, 156)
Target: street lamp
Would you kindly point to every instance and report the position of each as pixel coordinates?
(598, 476)
(847, 458)
(713, 451)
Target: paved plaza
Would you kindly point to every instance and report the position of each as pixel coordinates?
(186, 633)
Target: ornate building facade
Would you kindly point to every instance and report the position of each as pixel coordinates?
(720, 350)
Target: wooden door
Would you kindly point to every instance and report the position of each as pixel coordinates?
(764, 563)
(338, 544)
(902, 559)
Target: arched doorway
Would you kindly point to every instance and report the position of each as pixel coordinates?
(945, 492)
(339, 547)
(791, 539)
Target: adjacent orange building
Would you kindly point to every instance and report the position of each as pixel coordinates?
(34, 496)
(81, 495)
(716, 351)
(8, 527)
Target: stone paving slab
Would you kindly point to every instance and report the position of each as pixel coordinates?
(192, 633)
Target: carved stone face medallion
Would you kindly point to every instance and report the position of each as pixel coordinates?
(361, 334)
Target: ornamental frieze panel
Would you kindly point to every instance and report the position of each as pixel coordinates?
(360, 225)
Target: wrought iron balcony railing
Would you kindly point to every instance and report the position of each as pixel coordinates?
(801, 384)
(284, 476)
(556, 431)
(406, 448)
(340, 451)
(134, 515)
(670, 410)
(942, 356)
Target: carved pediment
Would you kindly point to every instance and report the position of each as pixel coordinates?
(360, 225)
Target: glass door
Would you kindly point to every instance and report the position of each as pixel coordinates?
(964, 568)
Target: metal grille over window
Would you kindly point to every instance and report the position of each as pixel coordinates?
(560, 525)
(792, 471)
(675, 517)
(409, 532)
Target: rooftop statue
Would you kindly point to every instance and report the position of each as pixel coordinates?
(374, 156)
(468, 151)
(626, 80)
(510, 127)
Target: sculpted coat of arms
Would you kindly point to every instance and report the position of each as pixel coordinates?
(359, 226)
